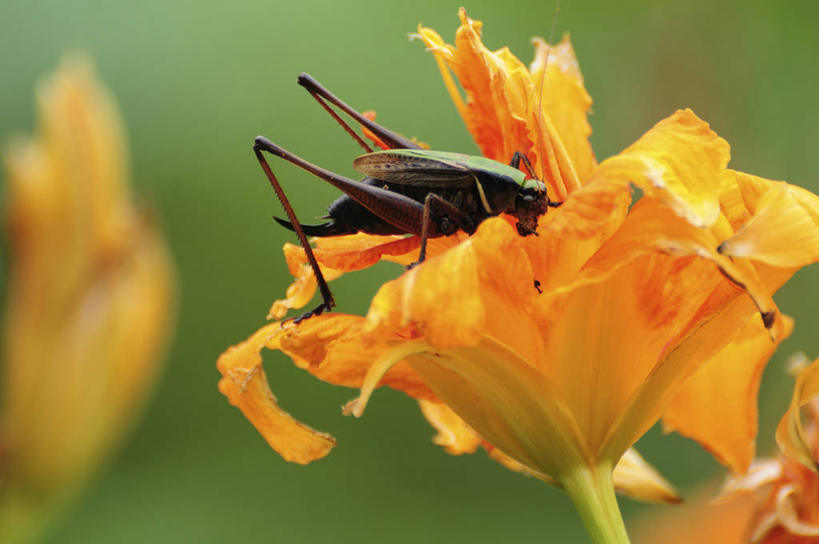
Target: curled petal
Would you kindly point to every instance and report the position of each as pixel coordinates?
(333, 348)
(679, 161)
(790, 434)
(783, 232)
(245, 385)
(785, 522)
(739, 196)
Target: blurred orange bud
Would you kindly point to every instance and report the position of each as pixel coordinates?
(90, 298)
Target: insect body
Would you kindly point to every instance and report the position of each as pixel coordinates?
(408, 190)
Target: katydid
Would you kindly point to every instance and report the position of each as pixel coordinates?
(408, 190)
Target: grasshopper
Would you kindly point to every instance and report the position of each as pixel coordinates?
(407, 190)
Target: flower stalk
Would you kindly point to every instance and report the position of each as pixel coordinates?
(591, 490)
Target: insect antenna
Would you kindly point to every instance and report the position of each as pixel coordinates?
(546, 60)
(543, 77)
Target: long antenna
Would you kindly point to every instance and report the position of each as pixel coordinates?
(546, 60)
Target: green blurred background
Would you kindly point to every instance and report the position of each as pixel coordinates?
(196, 81)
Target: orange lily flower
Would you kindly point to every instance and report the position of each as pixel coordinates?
(557, 352)
(776, 501)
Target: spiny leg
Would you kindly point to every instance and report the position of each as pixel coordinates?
(320, 93)
(327, 296)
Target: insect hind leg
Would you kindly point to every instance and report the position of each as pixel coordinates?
(321, 93)
(328, 301)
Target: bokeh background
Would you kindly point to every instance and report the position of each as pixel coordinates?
(196, 81)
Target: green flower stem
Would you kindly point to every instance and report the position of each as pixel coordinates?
(592, 492)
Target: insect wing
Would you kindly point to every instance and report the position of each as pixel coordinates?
(412, 167)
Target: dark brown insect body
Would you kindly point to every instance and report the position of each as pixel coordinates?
(408, 190)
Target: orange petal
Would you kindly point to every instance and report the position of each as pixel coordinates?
(488, 295)
(650, 227)
(501, 396)
(679, 161)
(790, 434)
(331, 347)
(634, 477)
(609, 337)
(739, 196)
(336, 349)
(794, 527)
(699, 520)
(301, 291)
(595, 208)
(454, 434)
(760, 473)
(714, 326)
(369, 134)
(783, 232)
(339, 254)
(245, 385)
(358, 251)
(500, 109)
(717, 406)
(565, 101)
(370, 114)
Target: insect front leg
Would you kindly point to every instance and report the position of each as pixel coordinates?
(515, 162)
(450, 219)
